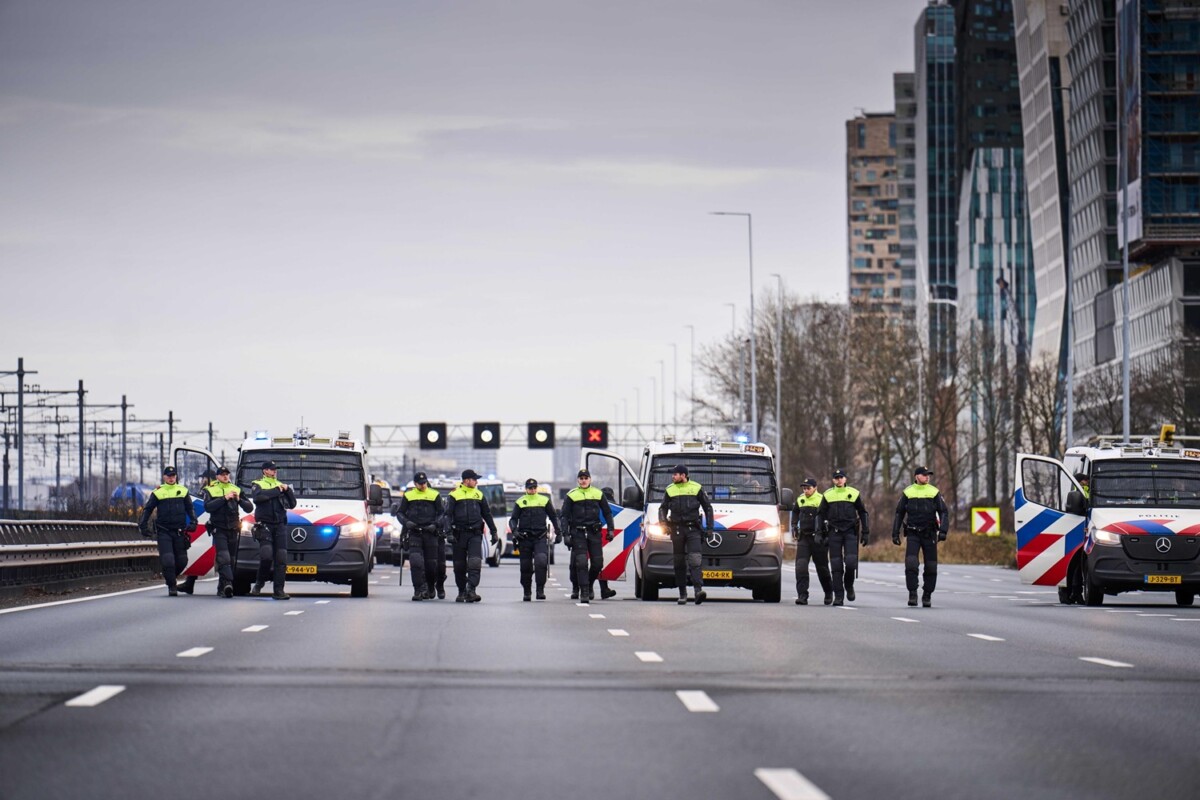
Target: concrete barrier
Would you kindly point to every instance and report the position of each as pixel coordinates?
(56, 553)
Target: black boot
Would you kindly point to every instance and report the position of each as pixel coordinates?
(541, 593)
(227, 591)
(280, 594)
(802, 601)
(701, 596)
(912, 598)
(607, 593)
(838, 600)
(471, 595)
(829, 598)
(575, 594)
(419, 593)
(527, 597)
(850, 593)
(926, 600)
(189, 584)
(172, 591)
(257, 590)
(682, 600)
(462, 597)
(441, 592)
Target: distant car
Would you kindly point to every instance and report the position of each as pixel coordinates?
(387, 528)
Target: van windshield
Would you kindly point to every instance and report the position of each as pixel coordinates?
(314, 473)
(1145, 482)
(726, 478)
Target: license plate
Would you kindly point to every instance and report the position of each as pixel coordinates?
(516, 552)
(717, 574)
(1164, 579)
(302, 569)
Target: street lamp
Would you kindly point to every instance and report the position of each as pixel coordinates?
(753, 342)
(779, 376)
(692, 402)
(675, 389)
(739, 413)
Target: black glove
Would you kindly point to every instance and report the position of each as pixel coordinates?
(494, 537)
(557, 537)
(896, 538)
(191, 526)
(607, 537)
(863, 538)
(146, 532)
(450, 537)
(941, 536)
(820, 539)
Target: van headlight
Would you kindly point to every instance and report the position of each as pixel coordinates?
(354, 530)
(768, 534)
(1106, 537)
(656, 530)
(247, 527)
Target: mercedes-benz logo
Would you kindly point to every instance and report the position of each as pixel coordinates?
(1162, 544)
(299, 535)
(714, 539)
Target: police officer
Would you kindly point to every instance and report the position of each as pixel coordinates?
(842, 516)
(176, 519)
(420, 514)
(222, 500)
(272, 500)
(466, 513)
(1085, 484)
(680, 510)
(810, 543)
(1074, 587)
(923, 514)
(531, 512)
(582, 511)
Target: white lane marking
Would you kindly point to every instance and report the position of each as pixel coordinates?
(583, 605)
(697, 701)
(618, 632)
(1104, 662)
(997, 580)
(292, 613)
(374, 581)
(788, 784)
(1185, 619)
(905, 619)
(1156, 615)
(847, 608)
(255, 628)
(596, 616)
(95, 697)
(1121, 610)
(985, 637)
(194, 652)
(649, 656)
(320, 602)
(79, 599)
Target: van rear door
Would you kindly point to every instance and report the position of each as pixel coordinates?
(626, 495)
(191, 463)
(1047, 536)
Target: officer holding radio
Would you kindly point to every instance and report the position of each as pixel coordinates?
(272, 500)
(531, 513)
(810, 543)
(843, 515)
(582, 511)
(680, 511)
(222, 500)
(467, 512)
(176, 518)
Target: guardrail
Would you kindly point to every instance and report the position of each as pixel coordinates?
(57, 552)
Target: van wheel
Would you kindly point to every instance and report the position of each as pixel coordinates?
(359, 586)
(769, 593)
(241, 584)
(1185, 598)
(1093, 594)
(649, 590)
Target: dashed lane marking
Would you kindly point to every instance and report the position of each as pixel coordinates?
(95, 697)
(194, 652)
(255, 628)
(1104, 662)
(618, 632)
(292, 613)
(788, 784)
(320, 602)
(697, 701)
(1156, 615)
(1185, 619)
(985, 637)
(905, 619)
(596, 616)
(648, 656)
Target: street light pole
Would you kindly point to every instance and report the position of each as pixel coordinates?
(675, 389)
(662, 391)
(779, 377)
(739, 413)
(753, 338)
(692, 402)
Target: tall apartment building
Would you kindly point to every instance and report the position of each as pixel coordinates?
(904, 88)
(873, 231)
(936, 181)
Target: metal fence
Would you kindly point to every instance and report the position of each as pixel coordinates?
(56, 552)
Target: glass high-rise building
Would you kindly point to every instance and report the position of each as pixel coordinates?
(873, 230)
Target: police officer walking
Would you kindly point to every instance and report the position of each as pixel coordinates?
(176, 519)
(531, 512)
(466, 513)
(420, 514)
(843, 517)
(810, 543)
(923, 515)
(680, 510)
(272, 500)
(582, 511)
(222, 500)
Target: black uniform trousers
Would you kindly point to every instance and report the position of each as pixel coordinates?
(272, 556)
(807, 548)
(468, 558)
(423, 553)
(534, 557)
(225, 543)
(843, 559)
(172, 554)
(686, 541)
(587, 557)
(921, 542)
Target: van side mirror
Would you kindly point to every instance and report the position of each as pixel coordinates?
(1076, 503)
(375, 498)
(787, 498)
(631, 497)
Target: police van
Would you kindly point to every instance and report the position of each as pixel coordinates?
(746, 547)
(1137, 528)
(331, 531)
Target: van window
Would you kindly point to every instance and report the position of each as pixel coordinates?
(726, 478)
(314, 473)
(1145, 482)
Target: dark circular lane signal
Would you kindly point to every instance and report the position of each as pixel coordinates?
(486, 435)
(540, 435)
(594, 434)
(431, 436)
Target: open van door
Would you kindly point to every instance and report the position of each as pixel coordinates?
(1048, 537)
(626, 495)
(191, 464)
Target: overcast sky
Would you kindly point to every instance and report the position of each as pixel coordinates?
(390, 212)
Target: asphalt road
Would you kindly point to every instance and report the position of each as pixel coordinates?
(987, 694)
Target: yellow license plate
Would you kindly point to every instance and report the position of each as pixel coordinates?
(717, 574)
(302, 569)
(1164, 579)
(516, 552)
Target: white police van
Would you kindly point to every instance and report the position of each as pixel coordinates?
(746, 547)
